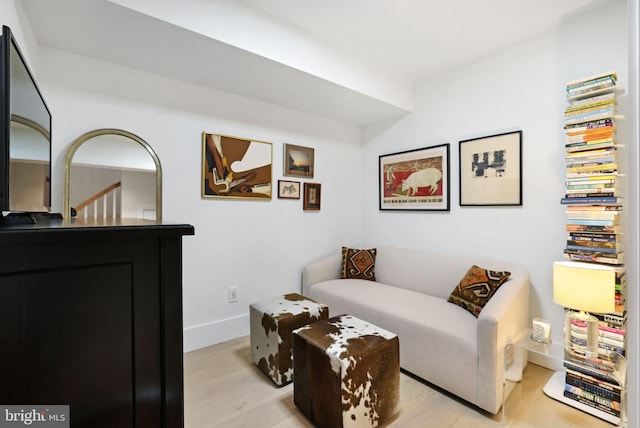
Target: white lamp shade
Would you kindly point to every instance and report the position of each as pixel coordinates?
(584, 286)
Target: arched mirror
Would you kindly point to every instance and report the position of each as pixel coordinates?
(111, 174)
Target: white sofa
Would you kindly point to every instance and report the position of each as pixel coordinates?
(439, 341)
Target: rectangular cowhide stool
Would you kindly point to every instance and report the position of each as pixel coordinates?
(272, 323)
(347, 373)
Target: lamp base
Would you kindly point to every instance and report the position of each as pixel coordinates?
(581, 334)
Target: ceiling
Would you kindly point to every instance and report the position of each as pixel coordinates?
(355, 61)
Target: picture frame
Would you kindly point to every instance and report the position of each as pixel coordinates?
(288, 189)
(236, 168)
(312, 197)
(491, 170)
(298, 161)
(415, 180)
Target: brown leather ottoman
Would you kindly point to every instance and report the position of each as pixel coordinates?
(272, 323)
(347, 373)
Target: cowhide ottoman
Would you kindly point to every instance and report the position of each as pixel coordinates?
(272, 324)
(347, 373)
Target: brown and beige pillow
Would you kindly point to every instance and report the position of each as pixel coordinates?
(476, 288)
(358, 263)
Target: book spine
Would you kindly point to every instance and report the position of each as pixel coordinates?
(594, 385)
(592, 241)
(612, 330)
(606, 349)
(593, 222)
(590, 403)
(595, 177)
(597, 229)
(592, 194)
(610, 74)
(593, 168)
(592, 188)
(592, 245)
(593, 258)
(590, 145)
(609, 108)
(613, 320)
(587, 248)
(618, 342)
(592, 154)
(590, 85)
(593, 215)
(597, 237)
(595, 398)
(587, 83)
(589, 117)
(591, 113)
(592, 200)
(594, 124)
(593, 99)
(589, 103)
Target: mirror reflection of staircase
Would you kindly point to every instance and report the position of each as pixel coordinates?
(107, 203)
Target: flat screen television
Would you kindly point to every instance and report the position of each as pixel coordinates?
(25, 135)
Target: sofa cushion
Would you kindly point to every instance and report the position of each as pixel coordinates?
(358, 264)
(476, 288)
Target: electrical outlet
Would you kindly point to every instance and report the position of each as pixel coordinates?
(233, 294)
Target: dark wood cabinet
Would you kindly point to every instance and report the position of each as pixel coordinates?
(91, 317)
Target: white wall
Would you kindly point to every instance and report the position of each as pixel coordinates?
(519, 88)
(257, 246)
(138, 194)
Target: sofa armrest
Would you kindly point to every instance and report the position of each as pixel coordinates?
(321, 270)
(501, 321)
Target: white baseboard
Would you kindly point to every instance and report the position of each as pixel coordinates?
(203, 335)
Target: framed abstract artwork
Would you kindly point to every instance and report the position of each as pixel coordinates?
(415, 180)
(288, 189)
(491, 170)
(234, 167)
(298, 161)
(311, 201)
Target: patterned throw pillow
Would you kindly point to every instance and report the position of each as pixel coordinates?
(476, 288)
(358, 263)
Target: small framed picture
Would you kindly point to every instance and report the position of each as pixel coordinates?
(491, 170)
(311, 200)
(298, 161)
(288, 189)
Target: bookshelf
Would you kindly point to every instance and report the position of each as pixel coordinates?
(594, 378)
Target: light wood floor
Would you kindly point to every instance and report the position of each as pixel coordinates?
(224, 389)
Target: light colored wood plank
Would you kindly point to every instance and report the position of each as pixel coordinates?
(224, 389)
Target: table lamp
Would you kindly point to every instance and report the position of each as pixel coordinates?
(584, 287)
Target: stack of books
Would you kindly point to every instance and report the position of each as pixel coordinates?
(594, 206)
(596, 384)
(592, 85)
(592, 183)
(612, 331)
(593, 229)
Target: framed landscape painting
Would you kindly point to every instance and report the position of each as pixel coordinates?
(298, 161)
(415, 180)
(491, 170)
(234, 167)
